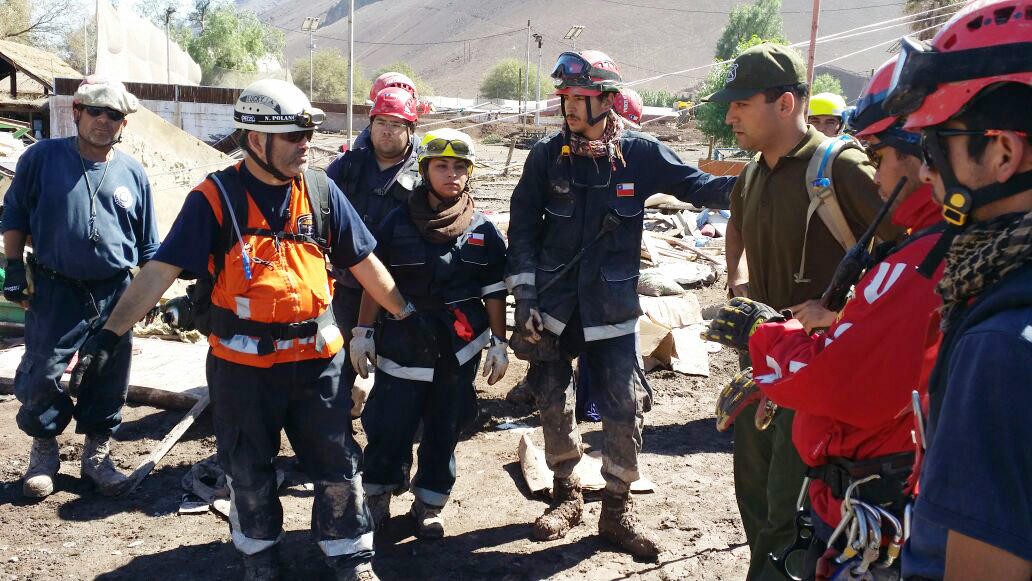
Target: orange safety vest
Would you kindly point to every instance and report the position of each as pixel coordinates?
(289, 282)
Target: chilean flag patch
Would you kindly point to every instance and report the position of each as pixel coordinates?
(625, 190)
(475, 239)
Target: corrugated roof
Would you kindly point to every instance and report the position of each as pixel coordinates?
(38, 64)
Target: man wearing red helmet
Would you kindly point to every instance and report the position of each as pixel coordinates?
(849, 384)
(386, 80)
(575, 234)
(376, 178)
(968, 94)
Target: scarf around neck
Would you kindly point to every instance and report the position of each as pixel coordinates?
(444, 224)
(981, 256)
(607, 146)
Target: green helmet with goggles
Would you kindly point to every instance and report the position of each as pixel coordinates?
(275, 106)
(446, 142)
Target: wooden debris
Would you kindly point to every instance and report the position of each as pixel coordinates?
(167, 443)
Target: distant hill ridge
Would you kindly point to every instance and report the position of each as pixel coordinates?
(471, 35)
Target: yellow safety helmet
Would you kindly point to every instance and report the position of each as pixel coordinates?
(827, 104)
(446, 142)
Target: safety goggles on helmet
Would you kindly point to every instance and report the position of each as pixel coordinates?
(573, 70)
(446, 148)
(921, 69)
(307, 119)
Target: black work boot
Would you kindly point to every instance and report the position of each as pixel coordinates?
(345, 569)
(262, 566)
(565, 512)
(619, 526)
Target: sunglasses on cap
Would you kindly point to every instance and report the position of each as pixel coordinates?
(298, 136)
(921, 69)
(932, 138)
(440, 146)
(98, 111)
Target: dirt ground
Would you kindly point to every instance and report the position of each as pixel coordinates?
(77, 534)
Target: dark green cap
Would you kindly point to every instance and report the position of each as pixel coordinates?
(760, 67)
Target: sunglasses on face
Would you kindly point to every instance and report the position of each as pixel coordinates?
(937, 134)
(113, 115)
(438, 147)
(298, 136)
(873, 155)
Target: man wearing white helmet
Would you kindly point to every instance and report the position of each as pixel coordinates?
(257, 235)
(89, 212)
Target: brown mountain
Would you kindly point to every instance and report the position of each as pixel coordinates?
(453, 42)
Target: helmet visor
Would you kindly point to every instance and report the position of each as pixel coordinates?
(573, 70)
(310, 118)
(447, 148)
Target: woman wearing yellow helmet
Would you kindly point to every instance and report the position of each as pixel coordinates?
(449, 260)
(826, 113)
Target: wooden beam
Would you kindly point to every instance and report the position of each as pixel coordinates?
(166, 444)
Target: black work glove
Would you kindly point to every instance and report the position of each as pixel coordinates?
(178, 313)
(16, 284)
(93, 358)
(738, 320)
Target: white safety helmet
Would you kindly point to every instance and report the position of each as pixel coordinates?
(275, 106)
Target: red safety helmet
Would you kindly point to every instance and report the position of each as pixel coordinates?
(589, 73)
(987, 42)
(869, 117)
(628, 104)
(395, 102)
(392, 79)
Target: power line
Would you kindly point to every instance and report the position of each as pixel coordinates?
(727, 12)
(370, 42)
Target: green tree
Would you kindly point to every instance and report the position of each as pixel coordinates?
(710, 116)
(331, 77)
(503, 80)
(31, 22)
(233, 39)
(659, 98)
(826, 83)
(762, 18)
(422, 87)
(936, 18)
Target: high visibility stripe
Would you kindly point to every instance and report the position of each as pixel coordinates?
(243, 307)
(600, 332)
(515, 280)
(430, 497)
(492, 288)
(242, 542)
(401, 372)
(552, 324)
(474, 347)
(340, 547)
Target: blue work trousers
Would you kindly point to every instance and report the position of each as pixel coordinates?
(250, 407)
(446, 406)
(61, 316)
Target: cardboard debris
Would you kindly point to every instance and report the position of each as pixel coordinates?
(589, 470)
(672, 312)
(655, 282)
(690, 354)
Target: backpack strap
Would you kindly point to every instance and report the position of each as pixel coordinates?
(820, 186)
(234, 209)
(319, 199)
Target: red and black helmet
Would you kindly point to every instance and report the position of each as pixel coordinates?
(869, 118)
(395, 102)
(589, 73)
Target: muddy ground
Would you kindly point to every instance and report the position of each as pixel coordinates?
(77, 534)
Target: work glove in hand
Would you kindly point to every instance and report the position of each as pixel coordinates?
(16, 283)
(738, 320)
(528, 320)
(363, 350)
(93, 358)
(741, 392)
(497, 361)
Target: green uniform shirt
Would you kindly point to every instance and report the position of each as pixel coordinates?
(771, 217)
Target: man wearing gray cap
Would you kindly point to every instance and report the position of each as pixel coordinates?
(90, 216)
(791, 255)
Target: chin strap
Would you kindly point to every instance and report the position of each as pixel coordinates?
(268, 155)
(592, 120)
(960, 202)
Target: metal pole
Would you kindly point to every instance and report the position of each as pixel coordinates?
(537, 103)
(86, 43)
(351, 68)
(311, 65)
(168, 45)
(526, 87)
(813, 40)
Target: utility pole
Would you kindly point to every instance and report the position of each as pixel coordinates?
(168, 44)
(572, 34)
(526, 88)
(813, 40)
(351, 69)
(86, 44)
(537, 101)
(310, 25)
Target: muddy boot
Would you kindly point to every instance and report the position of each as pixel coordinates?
(619, 526)
(429, 522)
(347, 570)
(44, 462)
(98, 468)
(262, 566)
(564, 514)
(380, 507)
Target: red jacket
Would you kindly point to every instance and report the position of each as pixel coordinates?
(850, 386)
